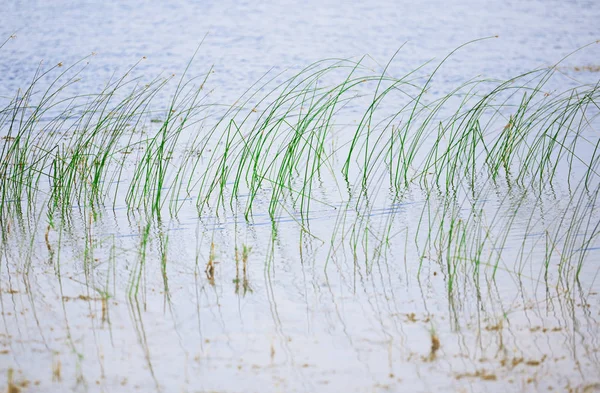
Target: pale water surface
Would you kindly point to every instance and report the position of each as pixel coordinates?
(358, 295)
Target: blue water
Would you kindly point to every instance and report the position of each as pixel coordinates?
(243, 40)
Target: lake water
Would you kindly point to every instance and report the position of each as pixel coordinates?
(285, 226)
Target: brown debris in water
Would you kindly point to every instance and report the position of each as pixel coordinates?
(514, 362)
(590, 388)
(210, 265)
(56, 371)
(411, 317)
(47, 239)
(14, 386)
(244, 280)
(494, 328)
(272, 352)
(81, 297)
(588, 68)
(104, 309)
(581, 68)
(482, 374)
(435, 346)
(535, 362)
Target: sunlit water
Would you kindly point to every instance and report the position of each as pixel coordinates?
(354, 297)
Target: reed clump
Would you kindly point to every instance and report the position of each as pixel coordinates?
(281, 141)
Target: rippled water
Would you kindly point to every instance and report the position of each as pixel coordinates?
(246, 39)
(354, 297)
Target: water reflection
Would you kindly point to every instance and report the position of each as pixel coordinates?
(212, 309)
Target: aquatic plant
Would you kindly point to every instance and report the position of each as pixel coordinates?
(282, 140)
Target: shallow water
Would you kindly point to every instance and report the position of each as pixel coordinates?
(483, 286)
(244, 39)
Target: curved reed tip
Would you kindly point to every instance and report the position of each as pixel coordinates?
(59, 64)
(94, 53)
